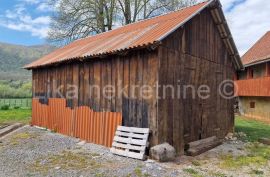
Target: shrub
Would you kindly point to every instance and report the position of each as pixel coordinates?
(16, 107)
(5, 107)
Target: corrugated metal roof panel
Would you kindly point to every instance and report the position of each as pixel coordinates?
(134, 35)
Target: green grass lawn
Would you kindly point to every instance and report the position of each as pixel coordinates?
(15, 115)
(252, 128)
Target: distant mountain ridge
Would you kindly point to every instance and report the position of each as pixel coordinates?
(14, 57)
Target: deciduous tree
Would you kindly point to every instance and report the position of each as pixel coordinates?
(74, 19)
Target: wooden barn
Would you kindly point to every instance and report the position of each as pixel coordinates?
(192, 46)
(254, 82)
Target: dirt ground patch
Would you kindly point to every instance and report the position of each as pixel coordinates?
(34, 152)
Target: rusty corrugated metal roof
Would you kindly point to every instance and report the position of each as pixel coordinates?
(136, 35)
(260, 51)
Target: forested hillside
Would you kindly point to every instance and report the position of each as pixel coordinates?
(14, 57)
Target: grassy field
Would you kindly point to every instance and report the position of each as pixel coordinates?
(21, 102)
(253, 129)
(15, 115)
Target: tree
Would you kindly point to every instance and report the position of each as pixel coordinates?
(74, 19)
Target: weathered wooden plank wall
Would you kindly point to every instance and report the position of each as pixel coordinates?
(194, 55)
(121, 72)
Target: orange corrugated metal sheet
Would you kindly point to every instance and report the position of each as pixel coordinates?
(253, 87)
(82, 122)
(136, 35)
(259, 52)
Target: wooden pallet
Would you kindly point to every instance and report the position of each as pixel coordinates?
(130, 142)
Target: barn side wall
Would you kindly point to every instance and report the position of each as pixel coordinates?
(194, 55)
(260, 111)
(137, 68)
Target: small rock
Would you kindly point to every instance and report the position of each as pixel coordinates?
(163, 152)
(148, 165)
(57, 168)
(150, 161)
(229, 136)
(81, 143)
(234, 139)
(242, 134)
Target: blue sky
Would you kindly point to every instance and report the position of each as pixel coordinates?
(26, 22)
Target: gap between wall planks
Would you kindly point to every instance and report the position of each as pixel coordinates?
(80, 122)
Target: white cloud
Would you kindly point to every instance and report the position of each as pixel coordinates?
(30, 1)
(44, 7)
(20, 20)
(248, 21)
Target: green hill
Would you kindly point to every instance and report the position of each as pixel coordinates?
(14, 57)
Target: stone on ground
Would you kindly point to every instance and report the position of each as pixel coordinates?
(163, 152)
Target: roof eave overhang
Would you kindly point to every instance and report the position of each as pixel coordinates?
(226, 35)
(258, 62)
(150, 46)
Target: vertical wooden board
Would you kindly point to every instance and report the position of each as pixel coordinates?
(170, 96)
(38, 84)
(49, 88)
(178, 132)
(125, 96)
(219, 111)
(75, 78)
(180, 103)
(153, 68)
(33, 84)
(81, 85)
(119, 79)
(53, 75)
(162, 102)
(69, 85)
(86, 84)
(103, 83)
(147, 120)
(205, 103)
(113, 84)
(139, 84)
(187, 117)
(108, 100)
(132, 91)
(97, 82)
(91, 84)
(64, 81)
